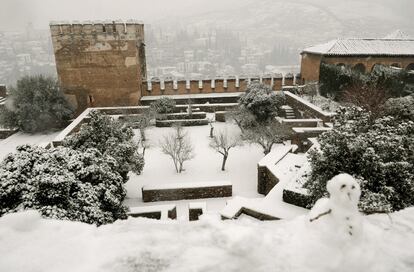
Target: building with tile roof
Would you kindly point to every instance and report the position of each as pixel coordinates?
(397, 50)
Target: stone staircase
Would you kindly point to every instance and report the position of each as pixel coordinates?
(289, 112)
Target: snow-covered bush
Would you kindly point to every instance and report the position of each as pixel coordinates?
(379, 152)
(402, 107)
(35, 104)
(163, 105)
(111, 138)
(267, 134)
(260, 100)
(334, 80)
(63, 183)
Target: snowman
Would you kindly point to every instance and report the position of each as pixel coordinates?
(339, 213)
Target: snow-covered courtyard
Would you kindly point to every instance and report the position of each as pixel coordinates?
(241, 168)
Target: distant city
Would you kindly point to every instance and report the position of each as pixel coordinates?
(182, 53)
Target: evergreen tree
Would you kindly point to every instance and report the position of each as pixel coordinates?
(63, 183)
(36, 104)
(111, 138)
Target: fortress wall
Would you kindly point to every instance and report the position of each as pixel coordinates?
(100, 64)
(221, 85)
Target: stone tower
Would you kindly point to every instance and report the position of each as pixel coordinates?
(100, 64)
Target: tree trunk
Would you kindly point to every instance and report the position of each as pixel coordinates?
(176, 166)
(267, 150)
(142, 132)
(223, 165)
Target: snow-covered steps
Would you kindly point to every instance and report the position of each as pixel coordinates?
(181, 191)
(160, 212)
(289, 112)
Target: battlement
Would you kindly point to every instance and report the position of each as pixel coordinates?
(230, 84)
(106, 27)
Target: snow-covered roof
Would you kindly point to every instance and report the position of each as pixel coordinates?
(368, 47)
(398, 34)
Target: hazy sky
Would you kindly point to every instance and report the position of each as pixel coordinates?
(15, 14)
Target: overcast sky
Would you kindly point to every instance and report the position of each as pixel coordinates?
(15, 14)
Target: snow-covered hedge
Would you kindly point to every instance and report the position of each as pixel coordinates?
(379, 152)
(63, 183)
(261, 101)
(111, 138)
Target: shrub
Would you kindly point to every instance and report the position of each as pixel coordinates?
(379, 152)
(111, 138)
(36, 104)
(163, 105)
(261, 101)
(401, 108)
(62, 183)
(335, 79)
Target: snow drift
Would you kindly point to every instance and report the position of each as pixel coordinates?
(30, 243)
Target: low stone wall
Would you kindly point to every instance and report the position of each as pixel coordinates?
(301, 122)
(182, 116)
(253, 213)
(295, 198)
(307, 109)
(183, 191)
(195, 210)
(155, 212)
(184, 122)
(301, 136)
(4, 133)
(265, 180)
(220, 116)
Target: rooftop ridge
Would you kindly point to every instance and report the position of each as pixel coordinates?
(95, 22)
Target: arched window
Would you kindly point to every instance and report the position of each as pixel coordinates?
(410, 67)
(360, 68)
(375, 65)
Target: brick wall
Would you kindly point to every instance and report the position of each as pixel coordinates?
(310, 64)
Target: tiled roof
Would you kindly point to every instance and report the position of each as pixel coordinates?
(364, 47)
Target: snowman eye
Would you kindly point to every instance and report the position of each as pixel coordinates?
(343, 186)
(353, 187)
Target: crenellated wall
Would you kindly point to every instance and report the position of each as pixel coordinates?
(157, 87)
(100, 63)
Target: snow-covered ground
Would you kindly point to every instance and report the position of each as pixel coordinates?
(29, 243)
(9, 144)
(241, 168)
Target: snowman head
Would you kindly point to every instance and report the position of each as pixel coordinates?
(344, 190)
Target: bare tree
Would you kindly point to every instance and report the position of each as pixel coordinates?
(177, 145)
(267, 134)
(369, 97)
(210, 122)
(222, 142)
(141, 122)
